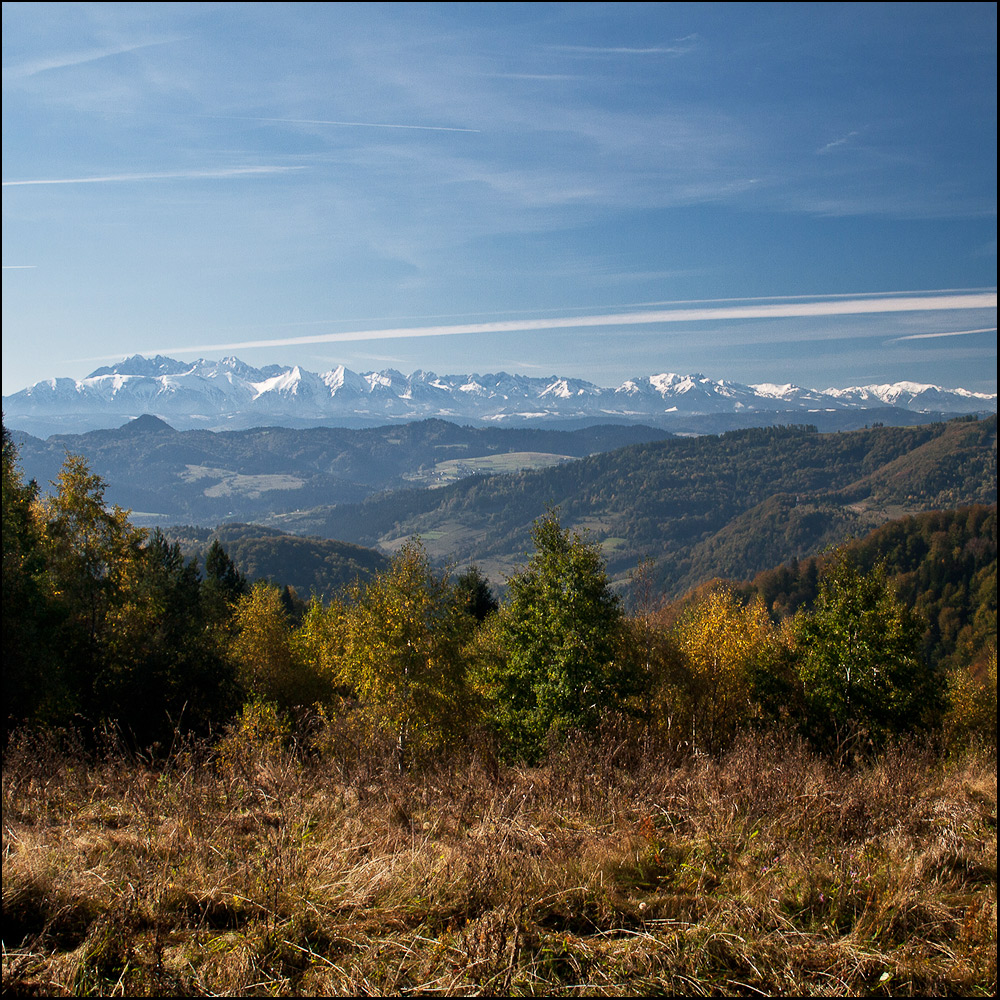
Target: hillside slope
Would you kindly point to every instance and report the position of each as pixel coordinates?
(166, 476)
(731, 505)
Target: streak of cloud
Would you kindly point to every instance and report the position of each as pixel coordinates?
(20, 71)
(951, 333)
(678, 49)
(591, 306)
(778, 310)
(174, 175)
(535, 76)
(320, 121)
(843, 141)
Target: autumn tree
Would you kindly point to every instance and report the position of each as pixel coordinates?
(91, 552)
(972, 703)
(656, 665)
(90, 544)
(318, 641)
(403, 639)
(265, 655)
(725, 644)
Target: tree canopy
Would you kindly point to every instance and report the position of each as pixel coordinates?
(105, 624)
(402, 642)
(859, 659)
(560, 634)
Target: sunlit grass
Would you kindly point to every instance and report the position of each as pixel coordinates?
(616, 868)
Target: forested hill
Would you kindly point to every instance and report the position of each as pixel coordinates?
(311, 566)
(943, 564)
(728, 506)
(166, 476)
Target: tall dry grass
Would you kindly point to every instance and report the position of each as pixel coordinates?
(309, 865)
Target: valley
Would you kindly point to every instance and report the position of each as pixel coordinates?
(694, 508)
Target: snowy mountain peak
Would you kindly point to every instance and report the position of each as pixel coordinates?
(139, 365)
(230, 392)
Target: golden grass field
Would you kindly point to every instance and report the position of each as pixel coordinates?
(310, 866)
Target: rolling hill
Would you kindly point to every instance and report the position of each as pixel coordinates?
(731, 505)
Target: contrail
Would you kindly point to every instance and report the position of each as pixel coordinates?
(313, 121)
(22, 70)
(221, 173)
(953, 333)
(783, 310)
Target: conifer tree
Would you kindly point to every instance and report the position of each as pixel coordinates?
(30, 672)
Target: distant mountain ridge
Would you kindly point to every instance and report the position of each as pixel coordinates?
(168, 476)
(232, 394)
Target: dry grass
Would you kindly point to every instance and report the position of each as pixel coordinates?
(615, 869)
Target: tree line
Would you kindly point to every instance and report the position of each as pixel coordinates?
(106, 624)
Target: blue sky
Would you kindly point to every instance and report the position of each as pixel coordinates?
(448, 187)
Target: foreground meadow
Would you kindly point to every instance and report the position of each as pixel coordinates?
(616, 867)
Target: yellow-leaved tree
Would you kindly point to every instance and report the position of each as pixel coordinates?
(402, 653)
(724, 643)
(265, 656)
(91, 555)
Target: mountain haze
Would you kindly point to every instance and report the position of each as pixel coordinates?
(169, 477)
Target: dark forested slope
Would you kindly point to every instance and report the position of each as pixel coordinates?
(203, 477)
(697, 507)
(319, 566)
(943, 564)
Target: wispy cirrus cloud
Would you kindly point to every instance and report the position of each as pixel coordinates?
(680, 47)
(222, 173)
(836, 143)
(622, 50)
(535, 76)
(706, 312)
(32, 67)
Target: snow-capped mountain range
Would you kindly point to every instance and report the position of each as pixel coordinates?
(229, 393)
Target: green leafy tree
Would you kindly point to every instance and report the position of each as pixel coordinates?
(555, 644)
(92, 553)
(859, 661)
(162, 654)
(403, 652)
